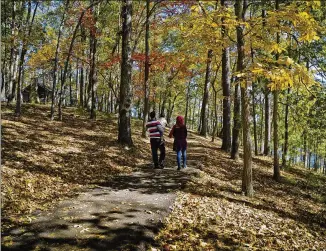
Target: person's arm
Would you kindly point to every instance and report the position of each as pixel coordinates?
(171, 132)
(186, 132)
(160, 129)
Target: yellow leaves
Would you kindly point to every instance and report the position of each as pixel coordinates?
(257, 70)
(304, 15)
(44, 55)
(276, 48)
(280, 79)
(315, 5)
(288, 61)
(241, 75)
(7, 241)
(214, 25)
(309, 36)
(285, 61)
(195, 8)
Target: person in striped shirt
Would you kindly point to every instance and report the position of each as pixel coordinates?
(156, 130)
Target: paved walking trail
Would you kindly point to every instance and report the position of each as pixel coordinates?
(123, 214)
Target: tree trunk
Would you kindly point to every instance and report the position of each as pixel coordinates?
(10, 95)
(187, 102)
(286, 132)
(194, 109)
(82, 72)
(247, 187)
(261, 139)
(146, 77)
(4, 81)
(267, 138)
(29, 24)
(215, 129)
(77, 82)
(63, 79)
(236, 123)
(204, 107)
(277, 173)
(226, 85)
(172, 107)
(125, 99)
(254, 117)
(93, 74)
(267, 135)
(163, 106)
(305, 148)
(70, 88)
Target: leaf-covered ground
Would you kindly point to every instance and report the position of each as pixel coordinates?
(212, 214)
(45, 161)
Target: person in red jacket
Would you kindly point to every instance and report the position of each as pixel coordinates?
(179, 132)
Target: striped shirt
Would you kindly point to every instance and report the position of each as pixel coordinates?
(155, 129)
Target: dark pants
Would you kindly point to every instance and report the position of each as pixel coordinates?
(155, 145)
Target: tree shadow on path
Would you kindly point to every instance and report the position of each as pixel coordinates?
(122, 214)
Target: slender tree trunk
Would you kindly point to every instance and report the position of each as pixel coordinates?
(82, 72)
(267, 135)
(194, 109)
(13, 52)
(247, 187)
(236, 123)
(204, 107)
(261, 125)
(215, 116)
(77, 82)
(22, 57)
(70, 87)
(254, 117)
(305, 148)
(226, 85)
(286, 132)
(172, 106)
(146, 77)
(4, 80)
(277, 173)
(63, 79)
(125, 99)
(187, 102)
(13, 57)
(93, 74)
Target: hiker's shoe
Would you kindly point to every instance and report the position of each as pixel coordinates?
(184, 166)
(178, 168)
(161, 166)
(156, 167)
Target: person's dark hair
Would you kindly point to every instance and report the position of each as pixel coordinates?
(152, 114)
(162, 115)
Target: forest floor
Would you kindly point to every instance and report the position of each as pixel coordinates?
(73, 184)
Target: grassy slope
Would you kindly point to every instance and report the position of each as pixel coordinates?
(44, 161)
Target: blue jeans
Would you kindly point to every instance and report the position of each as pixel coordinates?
(182, 152)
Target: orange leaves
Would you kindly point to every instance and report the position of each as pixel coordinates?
(89, 22)
(111, 62)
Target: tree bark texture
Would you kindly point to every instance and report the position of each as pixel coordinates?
(124, 136)
(204, 107)
(146, 77)
(247, 187)
(226, 85)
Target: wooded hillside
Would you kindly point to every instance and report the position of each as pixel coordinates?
(249, 78)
